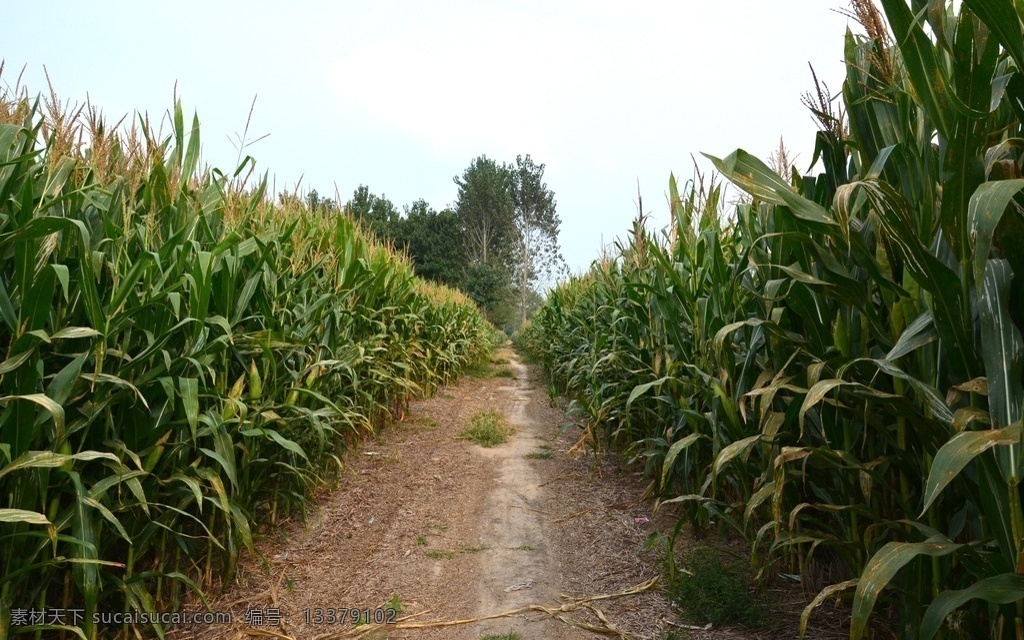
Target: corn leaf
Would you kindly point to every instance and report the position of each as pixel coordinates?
(881, 569)
(958, 452)
(1001, 589)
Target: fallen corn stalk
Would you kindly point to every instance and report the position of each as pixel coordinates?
(557, 612)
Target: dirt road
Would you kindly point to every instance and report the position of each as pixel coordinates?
(446, 531)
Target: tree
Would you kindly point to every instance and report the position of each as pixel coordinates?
(486, 214)
(377, 213)
(315, 203)
(487, 285)
(484, 207)
(434, 242)
(536, 255)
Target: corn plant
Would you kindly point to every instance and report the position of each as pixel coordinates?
(833, 368)
(183, 359)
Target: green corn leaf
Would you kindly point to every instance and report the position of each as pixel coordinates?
(881, 569)
(1002, 18)
(925, 392)
(75, 333)
(63, 277)
(927, 270)
(815, 395)
(192, 153)
(45, 402)
(56, 179)
(179, 135)
(63, 383)
(987, 206)
(1001, 589)
(214, 479)
(90, 293)
(193, 486)
(21, 515)
(757, 179)
(129, 281)
(958, 452)
(182, 578)
(85, 572)
(642, 389)
(756, 500)
(17, 516)
(1002, 345)
(37, 299)
(20, 358)
(227, 466)
(919, 57)
(9, 134)
(245, 297)
(7, 311)
(188, 388)
(918, 333)
(50, 460)
(99, 489)
(734, 449)
(139, 599)
(108, 516)
(225, 447)
(285, 443)
(673, 452)
(43, 226)
(117, 382)
(1003, 355)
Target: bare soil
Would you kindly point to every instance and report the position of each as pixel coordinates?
(466, 541)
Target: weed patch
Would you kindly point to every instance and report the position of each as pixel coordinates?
(479, 369)
(710, 590)
(487, 429)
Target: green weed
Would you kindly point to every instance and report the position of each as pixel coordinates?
(439, 555)
(487, 429)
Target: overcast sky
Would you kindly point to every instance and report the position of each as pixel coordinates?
(401, 96)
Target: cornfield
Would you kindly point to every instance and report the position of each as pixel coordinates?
(832, 368)
(183, 360)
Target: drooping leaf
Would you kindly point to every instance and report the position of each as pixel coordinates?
(1001, 589)
(881, 569)
(951, 459)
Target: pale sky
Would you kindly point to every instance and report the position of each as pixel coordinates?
(401, 96)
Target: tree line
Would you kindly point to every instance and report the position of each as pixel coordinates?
(498, 242)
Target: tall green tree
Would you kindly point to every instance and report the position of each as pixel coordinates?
(315, 202)
(486, 211)
(377, 213)
(434, 241)
(486, 214)
(536, 255)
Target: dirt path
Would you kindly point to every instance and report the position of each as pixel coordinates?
(521, 555)
(452, 531)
